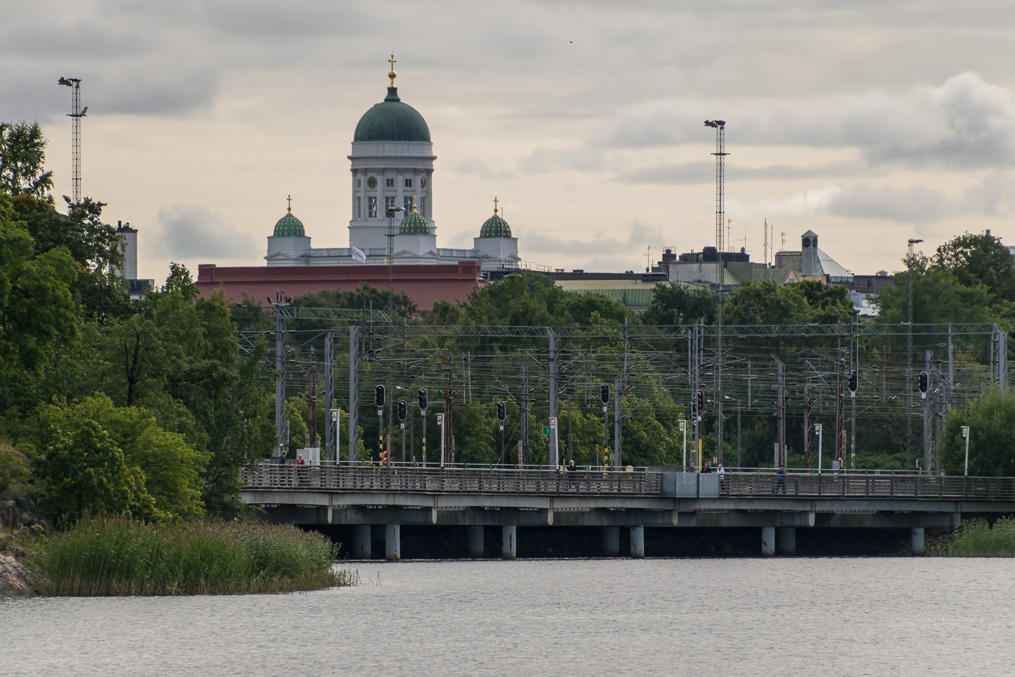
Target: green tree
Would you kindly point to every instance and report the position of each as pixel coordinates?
(979, 259)
(84, 471)
(679, 304)
(938, 297)
(765, 302)
(991, 421)
(36, 308)
(170, 466)
(22, 157)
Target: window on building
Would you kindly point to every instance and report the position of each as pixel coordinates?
(358, 214)
(389, 203)
(372, 206)
(390, 183)
(408, 183)
(407, 204)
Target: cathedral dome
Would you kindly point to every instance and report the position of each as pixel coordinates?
(289, 225)
(495, 226)
(414, 224)
(392, 120)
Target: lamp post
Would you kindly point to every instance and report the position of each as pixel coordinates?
(739, 410)
(391, 251)
(683, 429)
(965, 464)
(336, 416)
(817, 431)
(909, 342)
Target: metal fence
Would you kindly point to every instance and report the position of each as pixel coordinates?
(596, 481)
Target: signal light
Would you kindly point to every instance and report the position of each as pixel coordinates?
(379, 396)
(422, 399)
(604, 393)
(501, 411)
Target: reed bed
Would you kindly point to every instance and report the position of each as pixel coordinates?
(118, 556)
(977, 538)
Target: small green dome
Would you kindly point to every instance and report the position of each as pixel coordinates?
(392, 120)
(414, 224)
(289, 226)
(495, 226)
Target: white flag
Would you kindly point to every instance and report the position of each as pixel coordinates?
(358, 254)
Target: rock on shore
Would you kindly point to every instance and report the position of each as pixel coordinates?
(13, 579)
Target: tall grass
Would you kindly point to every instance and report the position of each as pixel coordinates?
(117, 556)
(977, 538)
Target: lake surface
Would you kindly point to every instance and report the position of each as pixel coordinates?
(777, 616)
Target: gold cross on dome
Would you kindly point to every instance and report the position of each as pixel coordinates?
(391, 73)
(289, 199)
(495, 205)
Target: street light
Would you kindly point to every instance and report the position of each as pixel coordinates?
(683, 429)
(337, 418)
(739, 409)
(817, 431)
(391, 250)
(965, 436)
(909, 341)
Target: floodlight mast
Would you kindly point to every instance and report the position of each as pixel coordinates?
(720, 181)
(75, 115)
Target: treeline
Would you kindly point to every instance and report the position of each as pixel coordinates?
(149, 408)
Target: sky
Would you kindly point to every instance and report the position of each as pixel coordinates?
(871, 123)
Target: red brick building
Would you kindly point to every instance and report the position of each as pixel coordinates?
(424, 284)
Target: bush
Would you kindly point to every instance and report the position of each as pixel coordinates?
(13, 468)
(977, 538)
(118, 556)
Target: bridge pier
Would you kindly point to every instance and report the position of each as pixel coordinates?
(785, 540)
(611, 541)
(361, 541)
(509, 541)
(638, 541)
(476, 545)
(392, 542)
(917, 542)
(768, 541)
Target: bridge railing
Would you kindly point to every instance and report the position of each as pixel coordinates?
(451, 480)
(813, 485)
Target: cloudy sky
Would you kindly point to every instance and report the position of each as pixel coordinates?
(868, 122)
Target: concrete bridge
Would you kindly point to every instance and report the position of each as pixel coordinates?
(366, 498)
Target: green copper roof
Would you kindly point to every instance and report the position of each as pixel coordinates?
(414, 224)
(392, 120)
(495, 226)
(289, 226)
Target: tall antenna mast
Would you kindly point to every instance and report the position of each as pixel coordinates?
(720, 180)
(720, 277)
(77, 112)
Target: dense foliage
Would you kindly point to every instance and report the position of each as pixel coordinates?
(148, 408)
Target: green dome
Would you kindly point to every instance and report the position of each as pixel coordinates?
(392, 120)
(495, 226)
(414, 224)
(289, 226)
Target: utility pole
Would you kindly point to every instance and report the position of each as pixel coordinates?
(311, 375)
(525, 415)
(280, 307)
(780, 410)
(392, 210)
(353, 394)
(77, 112)
(909, 344)
(329, 392)
(926, 388)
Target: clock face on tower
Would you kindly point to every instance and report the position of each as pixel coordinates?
(372, 182)
(807, 242)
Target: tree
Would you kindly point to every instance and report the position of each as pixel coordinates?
(991, 421)
(979, 259)
(36, 308)
(85, 472)
(765, 302)
(937, 297)
(22, 154)
(679, 304)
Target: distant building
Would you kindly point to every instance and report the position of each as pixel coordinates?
(129, 249)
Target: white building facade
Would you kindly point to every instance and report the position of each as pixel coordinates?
(392, 199)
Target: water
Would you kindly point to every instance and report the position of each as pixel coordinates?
(789, 616)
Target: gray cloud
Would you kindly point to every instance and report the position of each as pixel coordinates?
(190, 231)
(638, 236)
(910, 205)
(704, 172)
